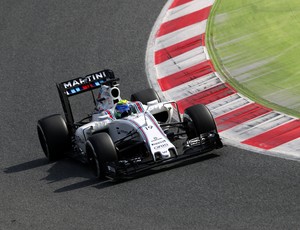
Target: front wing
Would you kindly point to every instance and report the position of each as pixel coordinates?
(191, 149)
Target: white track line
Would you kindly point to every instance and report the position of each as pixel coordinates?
(181, 62)
(256, 126)
(229, 107)
(193, 87)
(187, 8)
(291, 148)
(180, 35)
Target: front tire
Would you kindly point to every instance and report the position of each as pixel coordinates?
(54, 136)
(198, 121)
(100, 150)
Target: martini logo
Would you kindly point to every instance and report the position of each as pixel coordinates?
(87, 79)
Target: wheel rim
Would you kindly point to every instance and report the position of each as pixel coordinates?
(190, 128)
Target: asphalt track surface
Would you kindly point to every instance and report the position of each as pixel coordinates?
(46, 42)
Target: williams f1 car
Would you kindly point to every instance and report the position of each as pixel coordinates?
(120, 138)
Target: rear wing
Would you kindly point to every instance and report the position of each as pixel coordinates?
(80, 85)
(87, 83)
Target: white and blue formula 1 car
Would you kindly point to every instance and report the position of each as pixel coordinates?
(143, 136)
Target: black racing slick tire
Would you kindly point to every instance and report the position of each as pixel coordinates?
(54, 136)
(145, 96)
(100, 150)
(198, 120)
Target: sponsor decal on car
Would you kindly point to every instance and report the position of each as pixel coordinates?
(156, 139)
(161, 146)
(86, 79)
(158, 142)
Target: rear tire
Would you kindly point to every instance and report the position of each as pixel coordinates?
(100, 150)
(145, 96)
(198, 121)
(54, 136)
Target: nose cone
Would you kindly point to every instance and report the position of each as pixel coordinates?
(163, 155)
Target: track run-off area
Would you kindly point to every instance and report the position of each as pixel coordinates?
(183, 71)
(256, 47)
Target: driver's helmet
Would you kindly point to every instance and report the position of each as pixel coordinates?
(122, 109)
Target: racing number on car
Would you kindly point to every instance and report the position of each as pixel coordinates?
(149, 127)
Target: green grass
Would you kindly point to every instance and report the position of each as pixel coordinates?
(256, 47)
